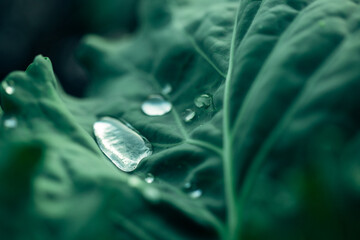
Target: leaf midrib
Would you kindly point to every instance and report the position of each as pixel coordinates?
(233, 219)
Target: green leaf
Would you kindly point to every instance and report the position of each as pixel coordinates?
(275, 154)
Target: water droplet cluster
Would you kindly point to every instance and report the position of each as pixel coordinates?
(8, 86)
(9, 121)
(192, 190)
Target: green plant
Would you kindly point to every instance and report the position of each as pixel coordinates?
(275, 153)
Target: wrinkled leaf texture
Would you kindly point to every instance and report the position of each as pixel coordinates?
(276, 157)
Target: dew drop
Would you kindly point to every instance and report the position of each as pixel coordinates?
(196, 193)
(149, 178)
(10, 122)
(121, 143)
(167, 89)
(192, 190)
(156, 105)
(203, 101)
(8, 87)
(189, 115)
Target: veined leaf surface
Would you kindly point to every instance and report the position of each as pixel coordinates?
(274, 156)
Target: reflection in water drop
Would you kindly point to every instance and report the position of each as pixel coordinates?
(167, 89)
(149, 178)
(203, 101)
(121, 143)
(10, 122)
(189, 115)
(8, 87)
(156, 105)
(196, 193)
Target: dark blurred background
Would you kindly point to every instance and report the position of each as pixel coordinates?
(54, 28)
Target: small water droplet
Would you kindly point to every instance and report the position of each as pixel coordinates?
(8, 87)
(196, 193)
(121, 143)
(156, 105)
(10, 122)
(166, 89)
(189, 115)
(203, 101)
(149, 178)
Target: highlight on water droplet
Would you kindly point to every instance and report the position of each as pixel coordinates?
(156, 105)
(189, 115)
(10, 122)
(203, 101)
(149, 178)
(167, 89)
(121, 143)
(196, 193)
(8, 86)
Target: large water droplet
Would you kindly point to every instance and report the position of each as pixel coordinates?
(156, 105)
(10, 122)
(121, 143)
(8, 87)
(149, 178)
(189, 115)
(166, 89)
(196, 193)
